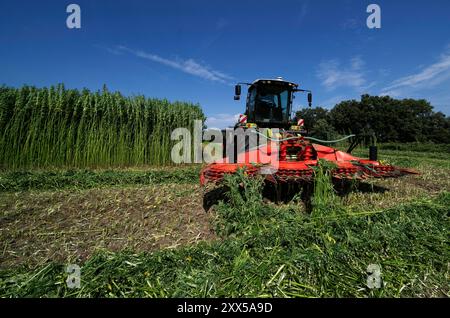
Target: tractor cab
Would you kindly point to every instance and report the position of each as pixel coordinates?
(269, 102)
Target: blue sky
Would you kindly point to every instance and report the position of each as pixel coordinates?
(196, 50)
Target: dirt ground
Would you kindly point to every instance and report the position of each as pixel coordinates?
(69, 226)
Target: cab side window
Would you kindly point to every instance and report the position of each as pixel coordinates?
(251, 104)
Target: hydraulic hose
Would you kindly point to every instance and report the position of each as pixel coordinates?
(330, 141)
(309, 138)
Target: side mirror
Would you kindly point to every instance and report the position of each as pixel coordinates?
(309, 99)
(237, 92)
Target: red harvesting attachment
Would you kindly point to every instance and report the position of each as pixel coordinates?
(291, 158)
(294, 161)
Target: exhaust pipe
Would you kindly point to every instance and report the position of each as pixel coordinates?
(373, 153)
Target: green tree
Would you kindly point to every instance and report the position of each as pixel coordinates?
(406, 120)
(312, 115)
(322, 129)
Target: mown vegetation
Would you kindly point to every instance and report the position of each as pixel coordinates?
(266, 250)
(58, 127)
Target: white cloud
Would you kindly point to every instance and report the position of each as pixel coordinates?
(350, 24)
(189, 66)
(221, 121)
(331, 102)
(222, 23)
(429, 77)
(395, 93)
(333, 75)
(303, 11)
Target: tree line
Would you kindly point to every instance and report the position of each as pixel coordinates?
(391, 120)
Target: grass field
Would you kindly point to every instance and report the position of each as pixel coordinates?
(144, 232)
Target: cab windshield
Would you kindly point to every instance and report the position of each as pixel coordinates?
(271, 103)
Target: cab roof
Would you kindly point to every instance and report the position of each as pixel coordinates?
(274, 80)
